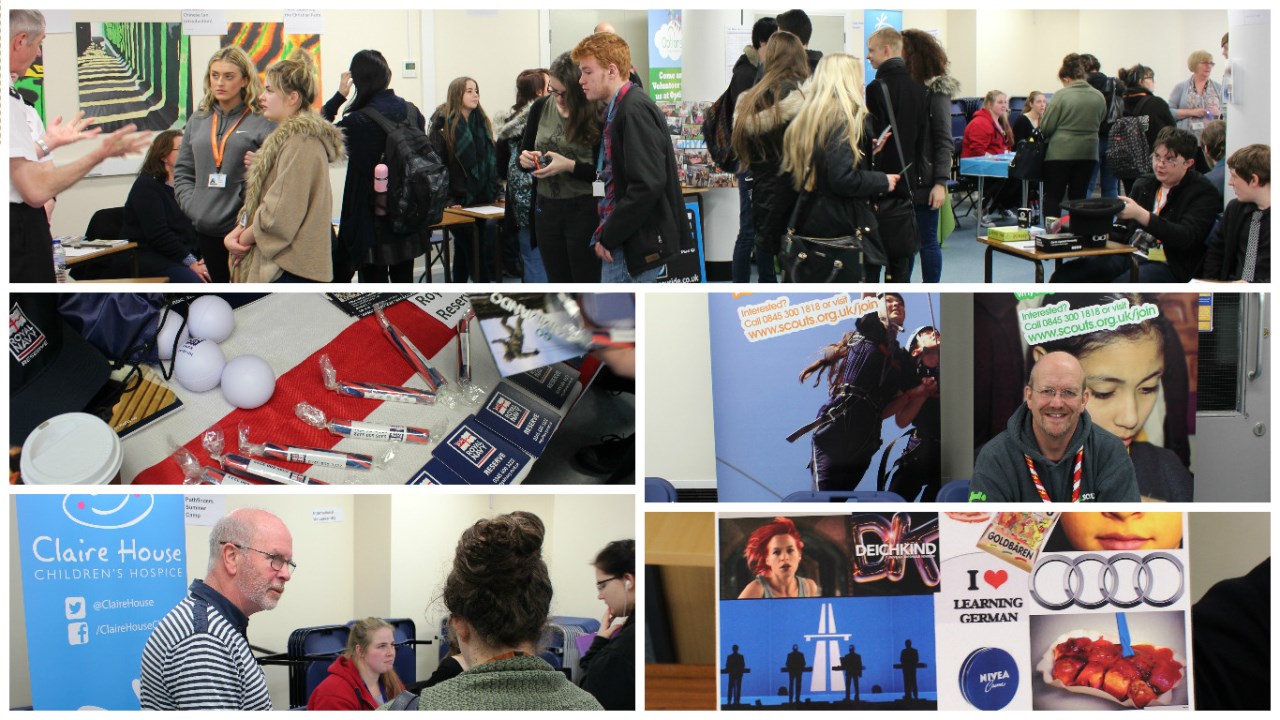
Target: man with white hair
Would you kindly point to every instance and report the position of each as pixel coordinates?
(33, 183)
(198, 657)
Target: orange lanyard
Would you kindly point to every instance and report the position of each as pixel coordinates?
(220, 149)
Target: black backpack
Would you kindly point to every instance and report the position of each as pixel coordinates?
(1128, 153)
(717, 128)
(417, 182)
(1113, 91)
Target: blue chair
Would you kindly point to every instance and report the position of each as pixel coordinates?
(831, 496)
(658, 490)
(954, 491)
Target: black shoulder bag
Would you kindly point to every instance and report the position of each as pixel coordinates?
(823, 260)
(896, 213)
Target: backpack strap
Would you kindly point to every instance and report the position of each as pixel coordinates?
(404, 701)
(382, 121)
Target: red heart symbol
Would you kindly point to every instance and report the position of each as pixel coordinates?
(995, 579)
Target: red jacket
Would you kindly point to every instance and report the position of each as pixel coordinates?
(982, 136)
(344, 689)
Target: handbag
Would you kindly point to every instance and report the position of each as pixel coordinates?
(822, 260)
(1028, 157)
(896, 214)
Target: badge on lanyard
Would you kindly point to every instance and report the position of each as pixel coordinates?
(597, 188)
(217, 180)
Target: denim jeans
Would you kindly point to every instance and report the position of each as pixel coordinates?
(930, 252)
(746, 242)
(534, 272)
(616, 271)
(1110, 183)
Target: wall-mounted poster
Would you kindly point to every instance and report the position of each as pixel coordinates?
(955, 611)
(1138, 352)
(137, 73)
(829, 392)
(267, 42)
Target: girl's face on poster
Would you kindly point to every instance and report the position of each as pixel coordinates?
(1123, 378)
(782, 557)
(1123, 530)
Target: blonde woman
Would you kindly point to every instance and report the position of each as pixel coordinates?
(217, 146)
(363, 677)
(284, 231)
(823, 151)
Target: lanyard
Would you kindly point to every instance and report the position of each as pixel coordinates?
(608, 118)
(219, 149)
(1075, 477)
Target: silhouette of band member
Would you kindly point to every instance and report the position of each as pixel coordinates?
(795, 669)
(735, 666)
(851, 664)
(909, 662)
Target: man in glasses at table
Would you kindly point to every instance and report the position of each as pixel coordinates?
(198, 656)
(1168, 215)
(1051, 450)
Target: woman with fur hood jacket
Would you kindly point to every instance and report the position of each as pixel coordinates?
(760, 120)
(284, 232)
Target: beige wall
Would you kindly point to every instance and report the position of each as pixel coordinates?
(388, 557)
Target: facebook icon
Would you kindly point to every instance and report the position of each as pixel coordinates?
(78, 633)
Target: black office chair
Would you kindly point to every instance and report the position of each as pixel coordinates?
(105, 224)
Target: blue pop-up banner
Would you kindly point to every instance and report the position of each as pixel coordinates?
(98, 573)
(666, 55)
(874, 20)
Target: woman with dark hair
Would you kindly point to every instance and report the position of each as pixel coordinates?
(363, 676)
(773, 554)
(1070, 125)
(1140, 100)
(759, 122)
(609, 667)
(381, 255)
(1029, 119)
(927, 64)
(1124, 371)
(166, 240)
(463, 138)
(559, 149)
(530, 85)
(285, 228)
(498, 594)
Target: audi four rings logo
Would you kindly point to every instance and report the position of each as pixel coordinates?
(1092, 581)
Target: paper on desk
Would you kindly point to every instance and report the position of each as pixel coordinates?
(80, 251)
(485, 209)
(1028, 245)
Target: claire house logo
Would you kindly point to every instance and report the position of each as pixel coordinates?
(107, 512)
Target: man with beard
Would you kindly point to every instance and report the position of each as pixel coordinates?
(1051, 450)
(198, 657)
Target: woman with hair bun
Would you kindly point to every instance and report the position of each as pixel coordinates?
(1070, 126)
(363, 677)
(499, 596)
(284, 231)
(609, 667)
(773, 553)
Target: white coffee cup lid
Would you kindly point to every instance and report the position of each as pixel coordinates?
(71, 449)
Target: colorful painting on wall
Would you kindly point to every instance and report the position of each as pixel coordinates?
(136, 73)
(267, 42)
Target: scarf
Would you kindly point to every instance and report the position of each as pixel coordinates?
(473, 146)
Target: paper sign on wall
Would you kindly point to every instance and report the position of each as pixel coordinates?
(327, 515)
(205, 509)
(303, 22)
(204, 22)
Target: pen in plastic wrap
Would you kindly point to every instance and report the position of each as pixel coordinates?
(372, 391)
(318, 456)
(410, 353)
(315, 417)
(265, 471)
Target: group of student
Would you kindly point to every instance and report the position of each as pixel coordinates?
(243, 194)
(1172, 201)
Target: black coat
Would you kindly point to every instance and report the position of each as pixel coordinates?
(609, 669)
(366, 144)
(911, 110)
(457, 173)
(153, 219)
(1221, 260)
(648, 222)
(839, 203)
(1184, 223)
(772, 194)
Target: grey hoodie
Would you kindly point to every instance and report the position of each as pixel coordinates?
(213, 210)
(1001, 474)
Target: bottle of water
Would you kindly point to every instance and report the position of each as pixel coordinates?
(380, 176)
(59, 261)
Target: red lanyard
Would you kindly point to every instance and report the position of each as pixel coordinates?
(1075, 477)
(219, 149)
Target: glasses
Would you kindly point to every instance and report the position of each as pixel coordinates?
(277, 562)
(1048, 394)
(1166, 159)
(1210, 63)
(601, 583)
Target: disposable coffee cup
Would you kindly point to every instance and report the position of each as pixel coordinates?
(72, 449)
(1024, 217)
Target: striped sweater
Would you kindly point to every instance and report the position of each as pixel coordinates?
(197, 659)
